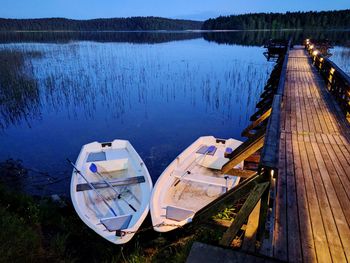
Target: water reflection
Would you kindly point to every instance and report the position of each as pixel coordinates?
(150, 37)
(258, 38)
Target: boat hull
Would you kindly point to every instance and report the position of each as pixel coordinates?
(190, 182)
(118, 163)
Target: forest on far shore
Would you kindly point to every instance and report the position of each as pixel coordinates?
(259, 21)
(276, 21)
(101, 24)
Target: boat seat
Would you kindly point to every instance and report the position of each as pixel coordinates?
(177, 214)
(116, 154)
(96, 157)
(207, 179)
(113, 182)
(109, 160)
(116, 223)
(111, 165)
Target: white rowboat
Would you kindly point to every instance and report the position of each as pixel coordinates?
(111, 184)
(191, 181)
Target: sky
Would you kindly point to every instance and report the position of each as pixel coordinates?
(187, 9)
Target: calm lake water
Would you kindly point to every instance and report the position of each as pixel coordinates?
(160, 91)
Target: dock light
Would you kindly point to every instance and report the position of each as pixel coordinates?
(272, 172)
(315, 53)
(312, 47)
(321, 59)
(307, 41)
(332, 70)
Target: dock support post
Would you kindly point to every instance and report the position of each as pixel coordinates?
(244, 213)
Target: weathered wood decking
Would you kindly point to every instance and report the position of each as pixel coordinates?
(312, 215)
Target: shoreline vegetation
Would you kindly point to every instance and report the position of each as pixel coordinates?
(254, 21)
(42, 229)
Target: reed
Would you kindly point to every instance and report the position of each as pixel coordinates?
(19, 94)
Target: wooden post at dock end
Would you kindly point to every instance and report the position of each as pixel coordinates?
(264, 206)
(244, 213)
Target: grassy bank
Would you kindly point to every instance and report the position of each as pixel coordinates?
(41, 230)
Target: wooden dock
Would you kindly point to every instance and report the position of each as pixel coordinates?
(312, 215)
(301, 190)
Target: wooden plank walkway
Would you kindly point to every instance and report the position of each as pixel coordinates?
(312, 215)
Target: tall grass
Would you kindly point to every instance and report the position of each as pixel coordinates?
(19, 94)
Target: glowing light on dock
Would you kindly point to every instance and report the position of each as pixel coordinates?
(315, 53)
(332, 70)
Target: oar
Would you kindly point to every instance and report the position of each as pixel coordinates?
(93, 168)
(92, 187)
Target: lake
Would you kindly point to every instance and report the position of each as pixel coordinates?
(159, 90)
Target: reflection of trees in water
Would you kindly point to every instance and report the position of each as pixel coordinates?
(66, 37)
(255, 38)
(258, 38)
(19, 94)
(93, 80)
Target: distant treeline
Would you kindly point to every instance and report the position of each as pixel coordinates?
(289, 20)
(110, 24)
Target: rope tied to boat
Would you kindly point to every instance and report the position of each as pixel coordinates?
(121, 233)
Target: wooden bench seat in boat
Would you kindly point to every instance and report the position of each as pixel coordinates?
(113, 182)
(207, 179)
(109, 161)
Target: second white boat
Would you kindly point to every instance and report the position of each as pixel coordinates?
(191, 182)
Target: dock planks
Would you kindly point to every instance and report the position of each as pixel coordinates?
(312, 215)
